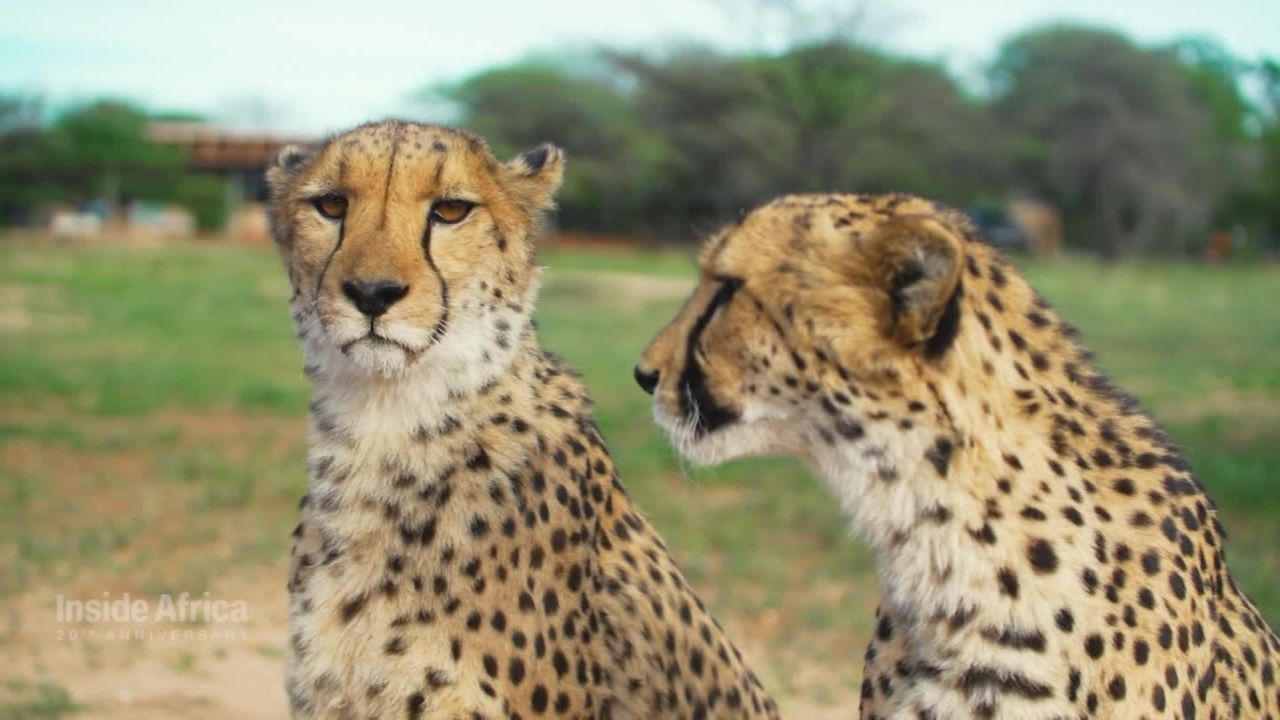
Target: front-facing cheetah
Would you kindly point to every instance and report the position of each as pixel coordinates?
(466, 549)
(1044, 550)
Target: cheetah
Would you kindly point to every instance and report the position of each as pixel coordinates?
(465, 549)
(1043, 549)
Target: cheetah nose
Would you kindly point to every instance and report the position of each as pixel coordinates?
(647, 379)
(374, 297)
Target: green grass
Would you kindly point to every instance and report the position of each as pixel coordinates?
(29, 702)
(165, 384)
(168, 328)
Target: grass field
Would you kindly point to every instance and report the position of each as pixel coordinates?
(151, 440)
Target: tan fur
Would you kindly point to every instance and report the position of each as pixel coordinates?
(1043, 549)
(466, 548)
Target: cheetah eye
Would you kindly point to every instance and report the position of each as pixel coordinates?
(331, 205)
(449, 212)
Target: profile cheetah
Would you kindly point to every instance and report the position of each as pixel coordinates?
(466, 549)
(1043, 549)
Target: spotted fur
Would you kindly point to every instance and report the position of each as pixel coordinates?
(1044, 550)
(466, 549)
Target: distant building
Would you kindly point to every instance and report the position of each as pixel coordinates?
(240, 155)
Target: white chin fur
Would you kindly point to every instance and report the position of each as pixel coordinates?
(377, 356)
(394, 349)
(736, 440)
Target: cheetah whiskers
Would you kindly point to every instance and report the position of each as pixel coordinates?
(686, 435)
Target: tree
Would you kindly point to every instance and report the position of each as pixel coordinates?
(826, 117)
(1238, 128)
(1262, 200)
(21, 148)
(102, 150)
(97, 149)
(1119, 137)
(612, 156)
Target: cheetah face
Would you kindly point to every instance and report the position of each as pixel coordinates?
(809, 313)
(408, 244)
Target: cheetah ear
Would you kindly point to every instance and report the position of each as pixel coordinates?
(916, 263)
(534, 176)
(285, 166)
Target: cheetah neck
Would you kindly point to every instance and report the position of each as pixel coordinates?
(371, 435)
(431, 465)
(920, 498)
(1024, 467)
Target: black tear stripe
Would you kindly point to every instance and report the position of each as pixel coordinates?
(438, 331)
(342, 231)
(710, 414)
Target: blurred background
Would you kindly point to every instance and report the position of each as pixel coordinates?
(152, 431)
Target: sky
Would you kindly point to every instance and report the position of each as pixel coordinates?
(314, 66)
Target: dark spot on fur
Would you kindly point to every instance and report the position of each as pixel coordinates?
(940, 455)
(1042, 556)
(1008, 582)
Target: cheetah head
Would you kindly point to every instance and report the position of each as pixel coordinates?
(409, 245)
(811, 315)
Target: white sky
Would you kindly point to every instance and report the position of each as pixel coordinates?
(319, 65)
